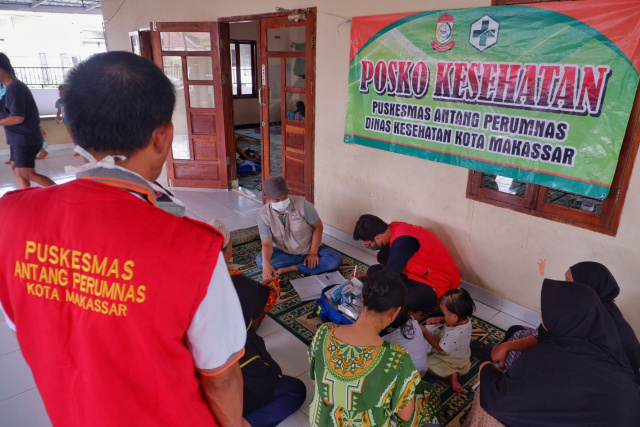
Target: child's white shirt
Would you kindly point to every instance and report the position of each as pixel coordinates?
(455, 340)
(417, 345)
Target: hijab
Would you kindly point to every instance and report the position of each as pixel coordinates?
(579, 377)
(599, 278)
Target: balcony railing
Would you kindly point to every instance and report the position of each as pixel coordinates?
(42, 77)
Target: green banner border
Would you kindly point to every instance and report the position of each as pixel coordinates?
(561, 18)
(542, 178)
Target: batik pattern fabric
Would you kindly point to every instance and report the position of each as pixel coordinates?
(366, 386)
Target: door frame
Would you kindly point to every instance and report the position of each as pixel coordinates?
(210, 169)
(228, 99)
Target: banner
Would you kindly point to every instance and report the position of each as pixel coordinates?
(538, 93)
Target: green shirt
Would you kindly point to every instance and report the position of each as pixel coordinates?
(365, 385)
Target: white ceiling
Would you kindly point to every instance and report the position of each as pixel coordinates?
(59, 6)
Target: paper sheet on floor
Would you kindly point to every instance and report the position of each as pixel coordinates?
(310, 287)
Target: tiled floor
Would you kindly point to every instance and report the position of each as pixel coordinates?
(20, 402)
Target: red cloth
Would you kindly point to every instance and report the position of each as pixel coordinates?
(102, 287)
(432, 257)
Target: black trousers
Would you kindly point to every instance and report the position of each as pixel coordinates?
(420, 296)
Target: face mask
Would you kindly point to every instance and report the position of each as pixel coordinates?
(280, 206)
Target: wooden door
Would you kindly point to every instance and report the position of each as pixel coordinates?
(286, 77)
(189, 54)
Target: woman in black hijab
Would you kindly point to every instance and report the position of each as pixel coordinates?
(599, 278)
(579, 377)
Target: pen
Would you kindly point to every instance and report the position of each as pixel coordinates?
(355, 271)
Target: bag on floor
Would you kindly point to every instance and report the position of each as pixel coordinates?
(328, 311)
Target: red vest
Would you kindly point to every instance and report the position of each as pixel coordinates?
(102, 287)
(432, 264)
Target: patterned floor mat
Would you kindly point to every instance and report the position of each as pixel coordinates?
(300, 319)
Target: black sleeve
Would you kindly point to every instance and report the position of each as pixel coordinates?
(543, 334)
(402, 250)
(253, 296)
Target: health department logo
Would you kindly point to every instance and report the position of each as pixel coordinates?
(444, 34)
(484, 33)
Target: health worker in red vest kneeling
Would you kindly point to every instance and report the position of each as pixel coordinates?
(426, 267)
(124, 312)
(291, 234)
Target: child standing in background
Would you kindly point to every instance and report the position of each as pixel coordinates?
(60, 116)
(43, 153)
(450, 337)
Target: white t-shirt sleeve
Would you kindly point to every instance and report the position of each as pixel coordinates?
(217, 334)
(10, 323)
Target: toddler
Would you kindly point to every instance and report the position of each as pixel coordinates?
(450, 337)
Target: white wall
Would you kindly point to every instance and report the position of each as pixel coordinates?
(505, 252)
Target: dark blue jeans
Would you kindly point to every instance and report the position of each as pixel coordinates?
(329, 260)
(288, 396)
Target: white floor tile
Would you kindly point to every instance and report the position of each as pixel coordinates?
(209, 209)
(8, 340)
(310, 390)
(288, 351)
(252, 214)
(237, 222)
(268, 326)
(353, 252)
(242, 204)
(15, 374)
(484, 312)
(24, 410)
(193, 216)
(297, 419)
(504, 321)
(520, 312)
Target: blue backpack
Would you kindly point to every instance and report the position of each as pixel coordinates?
(328, 312)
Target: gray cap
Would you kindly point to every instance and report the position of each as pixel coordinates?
(275, 187)
(218, 225)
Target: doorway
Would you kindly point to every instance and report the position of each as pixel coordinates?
(279, 93)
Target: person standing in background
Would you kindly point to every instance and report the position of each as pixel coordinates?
(21, 120)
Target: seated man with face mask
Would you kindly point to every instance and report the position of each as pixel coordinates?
(291, 234)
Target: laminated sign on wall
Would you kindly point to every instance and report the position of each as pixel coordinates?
(539, 93)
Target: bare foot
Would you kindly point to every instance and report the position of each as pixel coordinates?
(42, 155)
(455, 384)
(283, 270)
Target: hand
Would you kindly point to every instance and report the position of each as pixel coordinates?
(268, 272)
(311, 260)
(269, 280)
(432, 320)
(499, 354)
(58, 121)
(360, 276)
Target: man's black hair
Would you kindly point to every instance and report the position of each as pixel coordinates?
(115, 100)
(5, 64)
(368, 227)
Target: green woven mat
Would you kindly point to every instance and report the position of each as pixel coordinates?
(300, 319)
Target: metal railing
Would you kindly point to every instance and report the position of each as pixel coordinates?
(42, 77)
